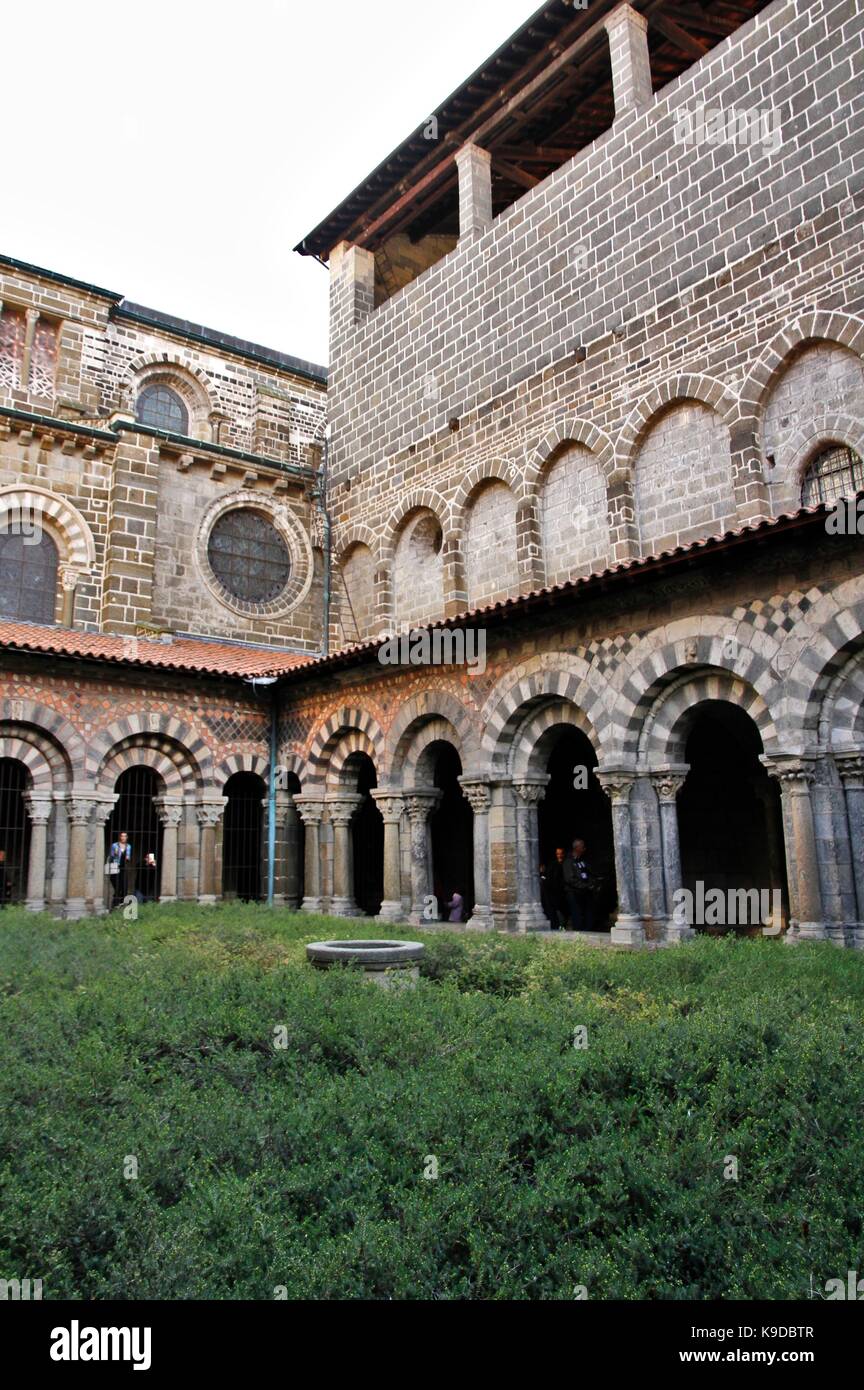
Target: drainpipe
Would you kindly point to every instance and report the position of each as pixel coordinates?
(320, 495)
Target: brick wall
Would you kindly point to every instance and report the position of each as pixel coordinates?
(644, 272)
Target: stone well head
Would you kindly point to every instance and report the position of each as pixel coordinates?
(384, 963)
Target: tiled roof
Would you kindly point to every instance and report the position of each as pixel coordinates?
(598, 579)
(180, 654)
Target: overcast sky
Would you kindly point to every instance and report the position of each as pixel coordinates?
(176, 151)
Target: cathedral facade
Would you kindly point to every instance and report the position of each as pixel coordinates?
(574, 564)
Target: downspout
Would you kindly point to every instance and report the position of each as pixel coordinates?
(320, 495)
(271, 796)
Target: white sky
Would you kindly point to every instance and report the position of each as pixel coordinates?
(176, 151)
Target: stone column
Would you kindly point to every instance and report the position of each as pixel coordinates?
(342, 809)
(851, 769)
(530, 916)
(69, 582)
(631, 64)
(667, 783)
(477, 793)
(101, 884)
(420, 805)
(208, 815)
(475, 191)
(39, 811)
(352, 286)
(311, 811)
(391, 805)
(287, 885)
(170, 814)
(78, 814)
(796, 775)
(629, 929)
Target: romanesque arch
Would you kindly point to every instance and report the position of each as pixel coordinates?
(242, 762)
(568, 430)
(197, 391)
(667, 724)
(824, 641)
(38, 769)
(342, 723)
(48, 730)
(819, 325)
(63, 520)
(162, 732)
(419, 712)
(549, 679)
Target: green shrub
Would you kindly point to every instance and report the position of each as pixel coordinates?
(305, 1167)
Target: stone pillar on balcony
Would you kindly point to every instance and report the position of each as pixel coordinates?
(530, 915)
(208, 814)
(667, 783)
(796, 775)
(477, 793)
(39, 810)
(629, 929)
(475, 191)
(342, 807)
(631, 63)
(420, 805)
(311, 811)
(391, 804)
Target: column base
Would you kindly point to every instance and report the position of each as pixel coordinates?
(391, 912)
(676, 932)
(481, 920)
(207, 900)
(34, 905)
(74, 909)
(856, 936)
(531, 917)
(312, 905)
(168, 898)
(811, 931)
(628, 931)
(344, 907)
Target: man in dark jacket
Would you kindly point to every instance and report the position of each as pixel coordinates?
(554, 894)
(577, 884)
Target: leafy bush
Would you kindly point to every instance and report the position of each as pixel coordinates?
(308, 1166)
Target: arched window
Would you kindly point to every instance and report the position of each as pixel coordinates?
(836, 472)
(28, 577)
(162, 409)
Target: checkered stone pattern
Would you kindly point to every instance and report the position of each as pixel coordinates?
(779, 615)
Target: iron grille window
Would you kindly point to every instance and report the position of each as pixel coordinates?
(837, 472)
(248, 556)
(163, 409)
(28, 578)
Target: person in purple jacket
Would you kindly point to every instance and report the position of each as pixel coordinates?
(456, 908)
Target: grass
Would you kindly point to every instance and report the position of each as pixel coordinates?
(306, 1169)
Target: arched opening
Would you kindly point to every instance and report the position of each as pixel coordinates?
(162, 409)
(135, 815)
(243, 838)
(451, 830)
(14, 832)
(367, 833)
(729, 813)
(575, 807)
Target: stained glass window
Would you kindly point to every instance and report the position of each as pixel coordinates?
(162, 409)
(28, 577)
(248, 556)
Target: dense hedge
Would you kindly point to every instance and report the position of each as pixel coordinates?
(302, 1168)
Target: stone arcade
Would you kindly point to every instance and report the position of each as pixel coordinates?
(594, 393)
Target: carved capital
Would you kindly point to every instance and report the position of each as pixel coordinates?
(69, 576)
(311, 810)
(420, 805)
(170, 813)
(342, 809)
(390, 804)
(102, 809)
(667, 782)
(477, 794)
(79, 812)
(531, 790)
(211, 812)
(38, 809)
(796, 775)
(617, 784)
(850, 765)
